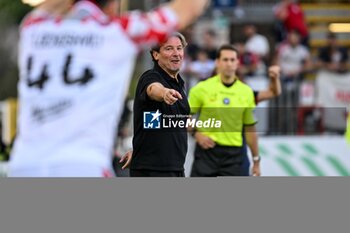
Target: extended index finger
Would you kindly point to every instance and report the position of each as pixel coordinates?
(177, 94)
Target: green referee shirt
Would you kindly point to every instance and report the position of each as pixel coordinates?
(233, 106)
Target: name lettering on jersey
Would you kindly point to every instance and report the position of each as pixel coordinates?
(43, 114)
(51, 40)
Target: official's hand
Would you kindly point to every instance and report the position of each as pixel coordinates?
(274, 72)
(170, 96)
(204, 141)
(126, 159)
(256, 169)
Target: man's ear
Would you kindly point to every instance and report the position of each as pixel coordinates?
(155, 55)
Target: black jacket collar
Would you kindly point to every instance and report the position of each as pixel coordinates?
(165, 75)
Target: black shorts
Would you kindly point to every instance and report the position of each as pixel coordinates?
(153, 173)
(218, 161)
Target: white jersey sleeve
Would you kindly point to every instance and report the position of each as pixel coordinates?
(149, 28)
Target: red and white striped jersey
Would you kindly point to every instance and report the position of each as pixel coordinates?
(74, 75)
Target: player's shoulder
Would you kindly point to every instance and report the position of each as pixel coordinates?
(34, 17)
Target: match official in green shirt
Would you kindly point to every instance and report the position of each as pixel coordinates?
(219, 150)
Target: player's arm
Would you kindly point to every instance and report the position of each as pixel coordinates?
(274, 89)
(156, 91)
(252, 142)
(55, 7)
(146, 29)
(187, 11)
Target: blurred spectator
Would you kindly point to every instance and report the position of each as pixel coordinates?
(256, 43)
(191, 51)
(192, 47)
(333, 57)
(290, 13)
(202, 67)
(259, 45)
(293, 57)
(294, 60)
(248, 62)
(209, 43)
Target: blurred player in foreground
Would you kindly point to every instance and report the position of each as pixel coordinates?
(74, 74)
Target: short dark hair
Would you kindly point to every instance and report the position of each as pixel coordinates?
(225, 47)
(157, 47)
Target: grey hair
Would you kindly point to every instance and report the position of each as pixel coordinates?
(157, 47)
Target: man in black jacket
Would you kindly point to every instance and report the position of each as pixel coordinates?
(158, 150)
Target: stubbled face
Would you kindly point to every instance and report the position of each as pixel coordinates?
(228, 62)
(249, 31)
(170, 56)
